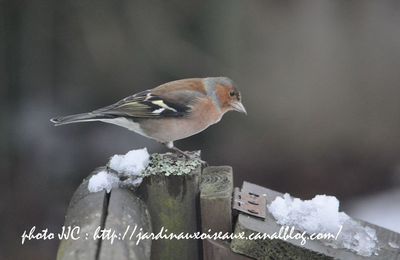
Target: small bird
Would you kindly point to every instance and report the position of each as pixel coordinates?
(171, 111)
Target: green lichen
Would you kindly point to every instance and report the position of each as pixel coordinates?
(171, 164)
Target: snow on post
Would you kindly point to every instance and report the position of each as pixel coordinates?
(321, 215)
(308, 229)
(126, 170)
(102, 181)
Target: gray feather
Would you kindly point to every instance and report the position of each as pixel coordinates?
(84, 117)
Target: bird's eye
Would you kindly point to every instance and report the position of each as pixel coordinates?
(232, 93)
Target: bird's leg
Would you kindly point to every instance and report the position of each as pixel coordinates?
(170, 145)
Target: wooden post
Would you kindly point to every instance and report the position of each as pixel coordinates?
(220, 250)
(126, 213)
(173, 205)
(85, 212)
(216, 199)
(216, 211)
(115, 211)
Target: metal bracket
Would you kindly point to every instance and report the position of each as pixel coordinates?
(250, 203)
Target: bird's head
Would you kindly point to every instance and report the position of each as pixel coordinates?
(227, 95)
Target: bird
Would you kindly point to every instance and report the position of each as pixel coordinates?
(172, 111)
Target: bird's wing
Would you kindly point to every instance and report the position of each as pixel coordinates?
(147, 104)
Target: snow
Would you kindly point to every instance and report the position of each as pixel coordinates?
(394, 245)
(132, 163)
(289, 211)
(321, 215)
(129, 166)
(102, 180)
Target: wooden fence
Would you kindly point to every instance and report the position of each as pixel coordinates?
(200, 200)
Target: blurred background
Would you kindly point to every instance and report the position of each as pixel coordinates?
(320, 81)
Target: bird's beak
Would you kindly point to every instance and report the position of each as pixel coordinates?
(238, 106)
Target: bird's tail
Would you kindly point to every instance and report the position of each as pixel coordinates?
(84, 117)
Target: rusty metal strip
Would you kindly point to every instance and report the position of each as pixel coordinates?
(250, 203)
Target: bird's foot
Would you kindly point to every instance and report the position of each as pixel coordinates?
(188, 155)
(195, 155)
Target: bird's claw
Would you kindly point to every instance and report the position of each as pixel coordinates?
(191, 156)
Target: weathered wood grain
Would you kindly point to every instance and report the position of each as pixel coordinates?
(291, 249)
(126, 213)
(220, 250)
(85, 211)
(173, 203)
(216, 199)
(114, 212)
